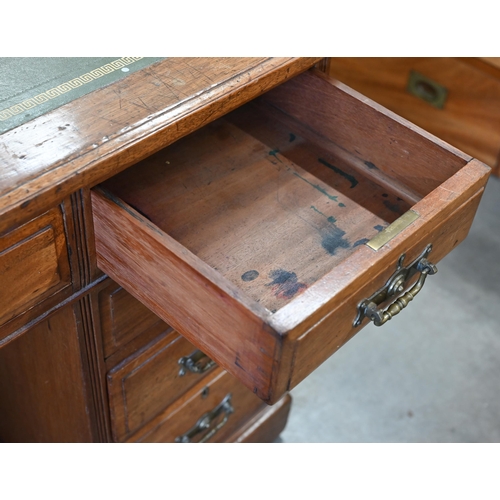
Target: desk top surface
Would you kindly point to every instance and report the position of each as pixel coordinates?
(32, 86)
(87, 140)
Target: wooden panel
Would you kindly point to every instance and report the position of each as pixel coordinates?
(147, 382)
(471, 115)
(43, 394)
(266, 426)
(191, 294)
(122, 317)
(184, 414)
(100, 134)
(33, 264)
(318, 344)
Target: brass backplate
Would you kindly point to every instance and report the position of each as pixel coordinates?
(393, 230)
(426, 89)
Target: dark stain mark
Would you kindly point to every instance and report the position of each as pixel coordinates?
(361, 242)
(385, 195)
(292, 137)
(250, 275)
(141, 212)
(319, 188)
(61, 128)
(399, 199)
(392, 206)
(25, 204)
(350, 178)
(333, 239)
(237, 362)
(285, 284)
(341, 205)
(378, 228)
(410, 413)
(371, 165)
(330, 219)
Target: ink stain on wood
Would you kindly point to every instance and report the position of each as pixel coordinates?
(361, 242)
(393, 207)
(378, 228)
(292, 137)
(316, 186)
(250, 275)
(333, 238)
(345, 175)
(285, 284)
(330, 218)
(371, 165)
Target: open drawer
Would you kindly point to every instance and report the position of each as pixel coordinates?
(265, 236)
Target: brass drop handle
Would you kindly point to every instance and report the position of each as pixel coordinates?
(380, 317)
(196, 362)
(370, 307)
(205, 421)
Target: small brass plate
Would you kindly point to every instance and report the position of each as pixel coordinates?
(393, 230)
(426, 89)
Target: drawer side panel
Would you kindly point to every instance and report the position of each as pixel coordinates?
(160, 274)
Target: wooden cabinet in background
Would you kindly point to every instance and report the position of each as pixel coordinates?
(455, 98)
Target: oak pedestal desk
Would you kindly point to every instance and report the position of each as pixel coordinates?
(181, 248)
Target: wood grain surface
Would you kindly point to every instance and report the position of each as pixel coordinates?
(33, 264)
(43, 388)
(471, 114)
(204, 397)
(147, 382)
(102, 133)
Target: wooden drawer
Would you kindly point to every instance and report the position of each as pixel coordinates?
(150, 380)
(457, 99)
(258, 236)
(33, 264)
(123, 317)
(221, 399)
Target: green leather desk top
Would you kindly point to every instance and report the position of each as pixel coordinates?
(33, 86)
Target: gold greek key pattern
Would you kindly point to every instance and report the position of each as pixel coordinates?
(30, 103)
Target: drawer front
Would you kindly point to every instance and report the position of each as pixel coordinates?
(149, 381)
(123, 317)
(469, 115)
(224, 402)
(33, 264)
(257, 235)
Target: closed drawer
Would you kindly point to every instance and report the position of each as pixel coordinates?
(150, 380)
(259, 236)
(456, 99)
(123, 317)
(211, 412)
(33, 264)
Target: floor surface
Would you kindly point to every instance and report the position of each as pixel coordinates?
(432, 374)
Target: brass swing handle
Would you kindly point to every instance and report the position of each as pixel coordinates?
(196, 362)
(205, 421)
(380, 317)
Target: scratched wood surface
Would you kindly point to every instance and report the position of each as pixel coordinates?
(265, 223)
(86, 141)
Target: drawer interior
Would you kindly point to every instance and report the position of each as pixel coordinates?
(276, 194)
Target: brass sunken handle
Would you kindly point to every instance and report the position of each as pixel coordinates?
(196, 362)
(206, 420)
(380, 317)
